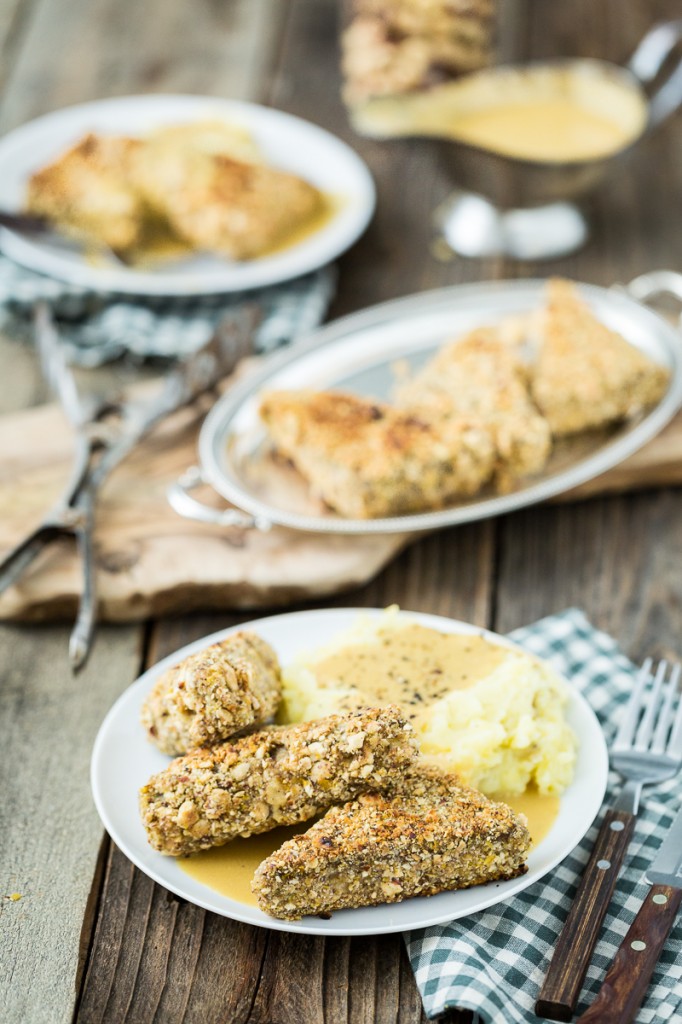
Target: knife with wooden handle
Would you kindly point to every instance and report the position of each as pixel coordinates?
(628, 977)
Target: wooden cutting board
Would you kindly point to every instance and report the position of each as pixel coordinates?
(150, 561)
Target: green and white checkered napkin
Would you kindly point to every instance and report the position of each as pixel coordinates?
(494, 962)
(97, 328)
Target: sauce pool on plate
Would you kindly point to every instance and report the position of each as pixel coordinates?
(229, 869)
(413, 666)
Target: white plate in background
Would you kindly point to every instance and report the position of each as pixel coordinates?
(123, 760)
(288, 143)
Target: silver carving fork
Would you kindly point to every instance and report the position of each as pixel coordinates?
(647, 750)
(105, 433)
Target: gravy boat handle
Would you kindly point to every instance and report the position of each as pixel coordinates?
(646, 63)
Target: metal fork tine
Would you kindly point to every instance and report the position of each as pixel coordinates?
(631, 716)
(675, 742)
(666, 716)
(646, 726)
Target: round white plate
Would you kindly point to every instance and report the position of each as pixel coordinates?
(123, 760)
(287, 143)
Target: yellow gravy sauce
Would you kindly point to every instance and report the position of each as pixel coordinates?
(552, 130)
(229, 869)
(328, 209)
(536, 113)
(413, 666)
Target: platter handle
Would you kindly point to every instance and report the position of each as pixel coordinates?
(647, 62)
(658, 282)
(182, 502)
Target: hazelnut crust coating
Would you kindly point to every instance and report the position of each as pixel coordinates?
(279, 776)
(367, 460)
(87, 191)
(587, 375)
(482, 377)
(213, 694)
(203, 184)
(431, 835)
(397, 46)
(223, 200)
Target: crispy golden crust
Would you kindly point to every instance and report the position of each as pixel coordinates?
(202, 184)
(366, 459)
(396, 46)
(431, 836)
(279, 776)
(219, 197)
(587, 375)
(88, 191)
(483, 378)
(213, 694)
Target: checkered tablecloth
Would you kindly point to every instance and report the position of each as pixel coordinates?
(494, 962)
(96, 328)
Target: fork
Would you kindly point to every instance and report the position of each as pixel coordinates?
(647, 750)
(33, 225)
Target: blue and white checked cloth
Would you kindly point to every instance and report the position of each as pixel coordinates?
(494, 962)
(97, 328)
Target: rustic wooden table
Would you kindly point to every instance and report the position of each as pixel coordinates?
(92, 939)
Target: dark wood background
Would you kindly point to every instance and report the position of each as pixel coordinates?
(92, 939)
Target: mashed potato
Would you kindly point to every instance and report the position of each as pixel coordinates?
(492, 714)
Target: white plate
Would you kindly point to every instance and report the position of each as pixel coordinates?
(123, 760)
(287, 142)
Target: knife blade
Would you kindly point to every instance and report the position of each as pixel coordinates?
(628, 977)
(666, 868)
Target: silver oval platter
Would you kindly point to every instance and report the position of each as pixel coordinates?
(359, 353)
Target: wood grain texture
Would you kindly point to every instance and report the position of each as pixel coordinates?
(577, 939)
(54, 53)
(49, 830)
(86, 49)
(14, 18)
(148, 559)
(628, 977)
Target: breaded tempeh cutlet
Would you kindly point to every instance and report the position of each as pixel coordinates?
(218, 195)
(213, 694)
(432, 835)
(87, 191)
(366, 459)
(481, 377)
(587, 375)
(279, 776)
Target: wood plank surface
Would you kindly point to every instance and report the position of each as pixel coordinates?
(14, 17)
(150, 561)
(79, 50)
(148, 956)
(54, 53)
(49, 832)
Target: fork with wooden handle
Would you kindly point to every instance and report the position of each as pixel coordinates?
(647, 750)
(628, 977)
